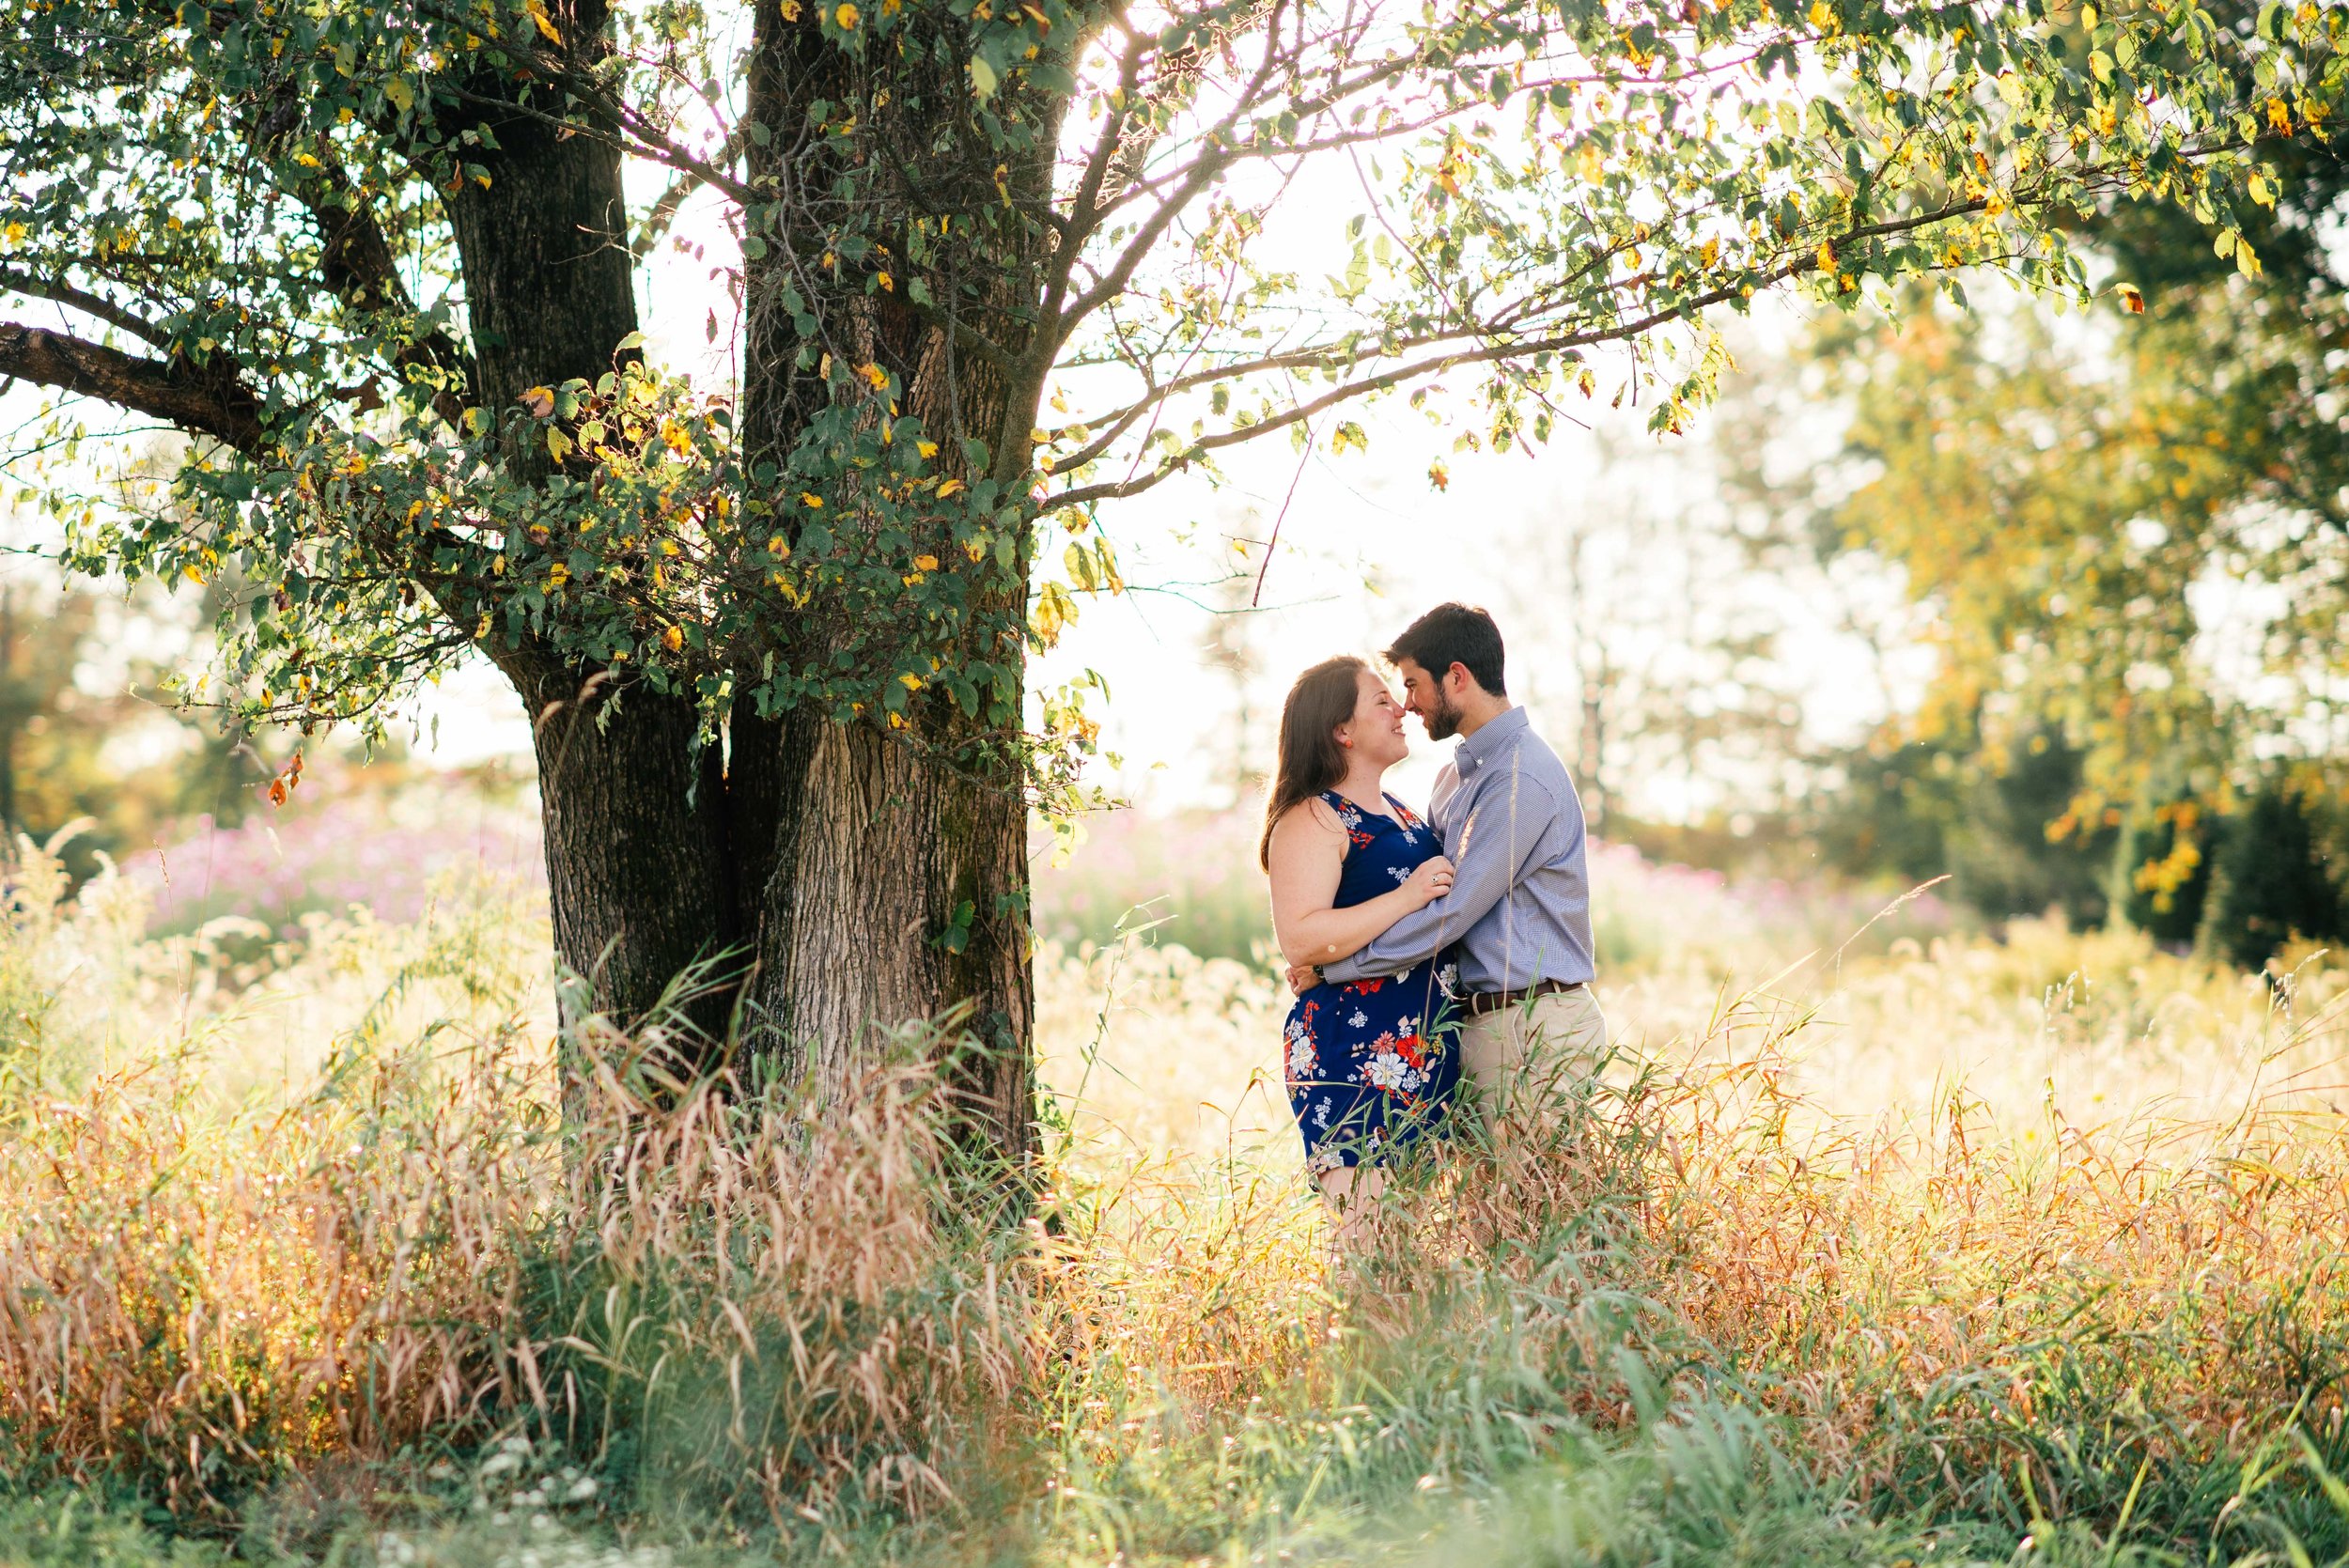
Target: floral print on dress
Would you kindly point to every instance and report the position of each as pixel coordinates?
(1370, 1064)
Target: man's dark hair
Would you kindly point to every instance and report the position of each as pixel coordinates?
(1453, 635)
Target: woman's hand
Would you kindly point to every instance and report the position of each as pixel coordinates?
(1429, 882)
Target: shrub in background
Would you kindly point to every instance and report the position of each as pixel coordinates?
(2277, 877)
(2161, 870)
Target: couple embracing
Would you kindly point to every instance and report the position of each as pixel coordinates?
(1426, 951)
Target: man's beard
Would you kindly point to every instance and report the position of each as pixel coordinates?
(1443, 720)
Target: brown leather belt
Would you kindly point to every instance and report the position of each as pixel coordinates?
(1480, 1003)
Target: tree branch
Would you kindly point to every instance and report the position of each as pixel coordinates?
(1438, 363)
(210, 400)
(665, 211)
(93, 305)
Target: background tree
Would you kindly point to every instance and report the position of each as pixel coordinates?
(84, 737)
(374, 256)
(2131, 533)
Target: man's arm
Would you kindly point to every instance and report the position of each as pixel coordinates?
(1488, 866)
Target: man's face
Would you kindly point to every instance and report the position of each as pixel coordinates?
(1424, 695)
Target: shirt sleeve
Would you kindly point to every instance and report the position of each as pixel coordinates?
(1488, 866)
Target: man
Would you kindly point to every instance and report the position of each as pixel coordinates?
(1519, 908)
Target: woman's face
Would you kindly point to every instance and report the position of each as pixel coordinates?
(1376, 731)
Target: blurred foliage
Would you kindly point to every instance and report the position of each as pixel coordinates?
(2128, 538)
(1924, 809)
(2277, 873)
(74, 748)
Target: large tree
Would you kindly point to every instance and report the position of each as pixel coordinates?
(374, 257)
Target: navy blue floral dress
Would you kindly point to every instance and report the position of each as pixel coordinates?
(1373, 1062)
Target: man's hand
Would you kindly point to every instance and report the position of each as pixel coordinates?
(1303, 978)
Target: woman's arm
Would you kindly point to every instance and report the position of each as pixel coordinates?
(1308, 854)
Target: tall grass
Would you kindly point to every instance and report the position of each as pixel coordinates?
(1857, 1267)
(710, 1293)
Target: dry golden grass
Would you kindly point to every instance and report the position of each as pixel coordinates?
(1976, 1193)
(1979, 1222)
(406, 1249)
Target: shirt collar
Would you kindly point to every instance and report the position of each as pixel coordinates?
(1479, 749)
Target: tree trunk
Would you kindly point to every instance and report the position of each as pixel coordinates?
(900, 889)
(904, 894)
(868, 878)
(639, 852)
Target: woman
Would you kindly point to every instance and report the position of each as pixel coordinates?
(1370, 1062)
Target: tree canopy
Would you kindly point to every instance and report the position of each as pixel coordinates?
(245, 209)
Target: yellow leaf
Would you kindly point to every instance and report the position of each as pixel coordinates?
(911, 683)
(1053, 611)
(926, 563)
(540, 400)
(951, 486)
(889, 285)
(845, 16)
(1826, 257)
(674, 638)
(400, 95)
(193, 572)
(538, 15)
(927, 448)
(811, 499)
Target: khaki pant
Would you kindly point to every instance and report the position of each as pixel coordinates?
(1518, 1057)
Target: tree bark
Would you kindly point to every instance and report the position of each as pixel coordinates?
(639, 852)
(904, 897)
(637, 844)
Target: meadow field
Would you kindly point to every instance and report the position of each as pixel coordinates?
(1876, 1240)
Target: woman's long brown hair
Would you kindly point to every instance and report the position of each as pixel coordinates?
(1311, 758)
